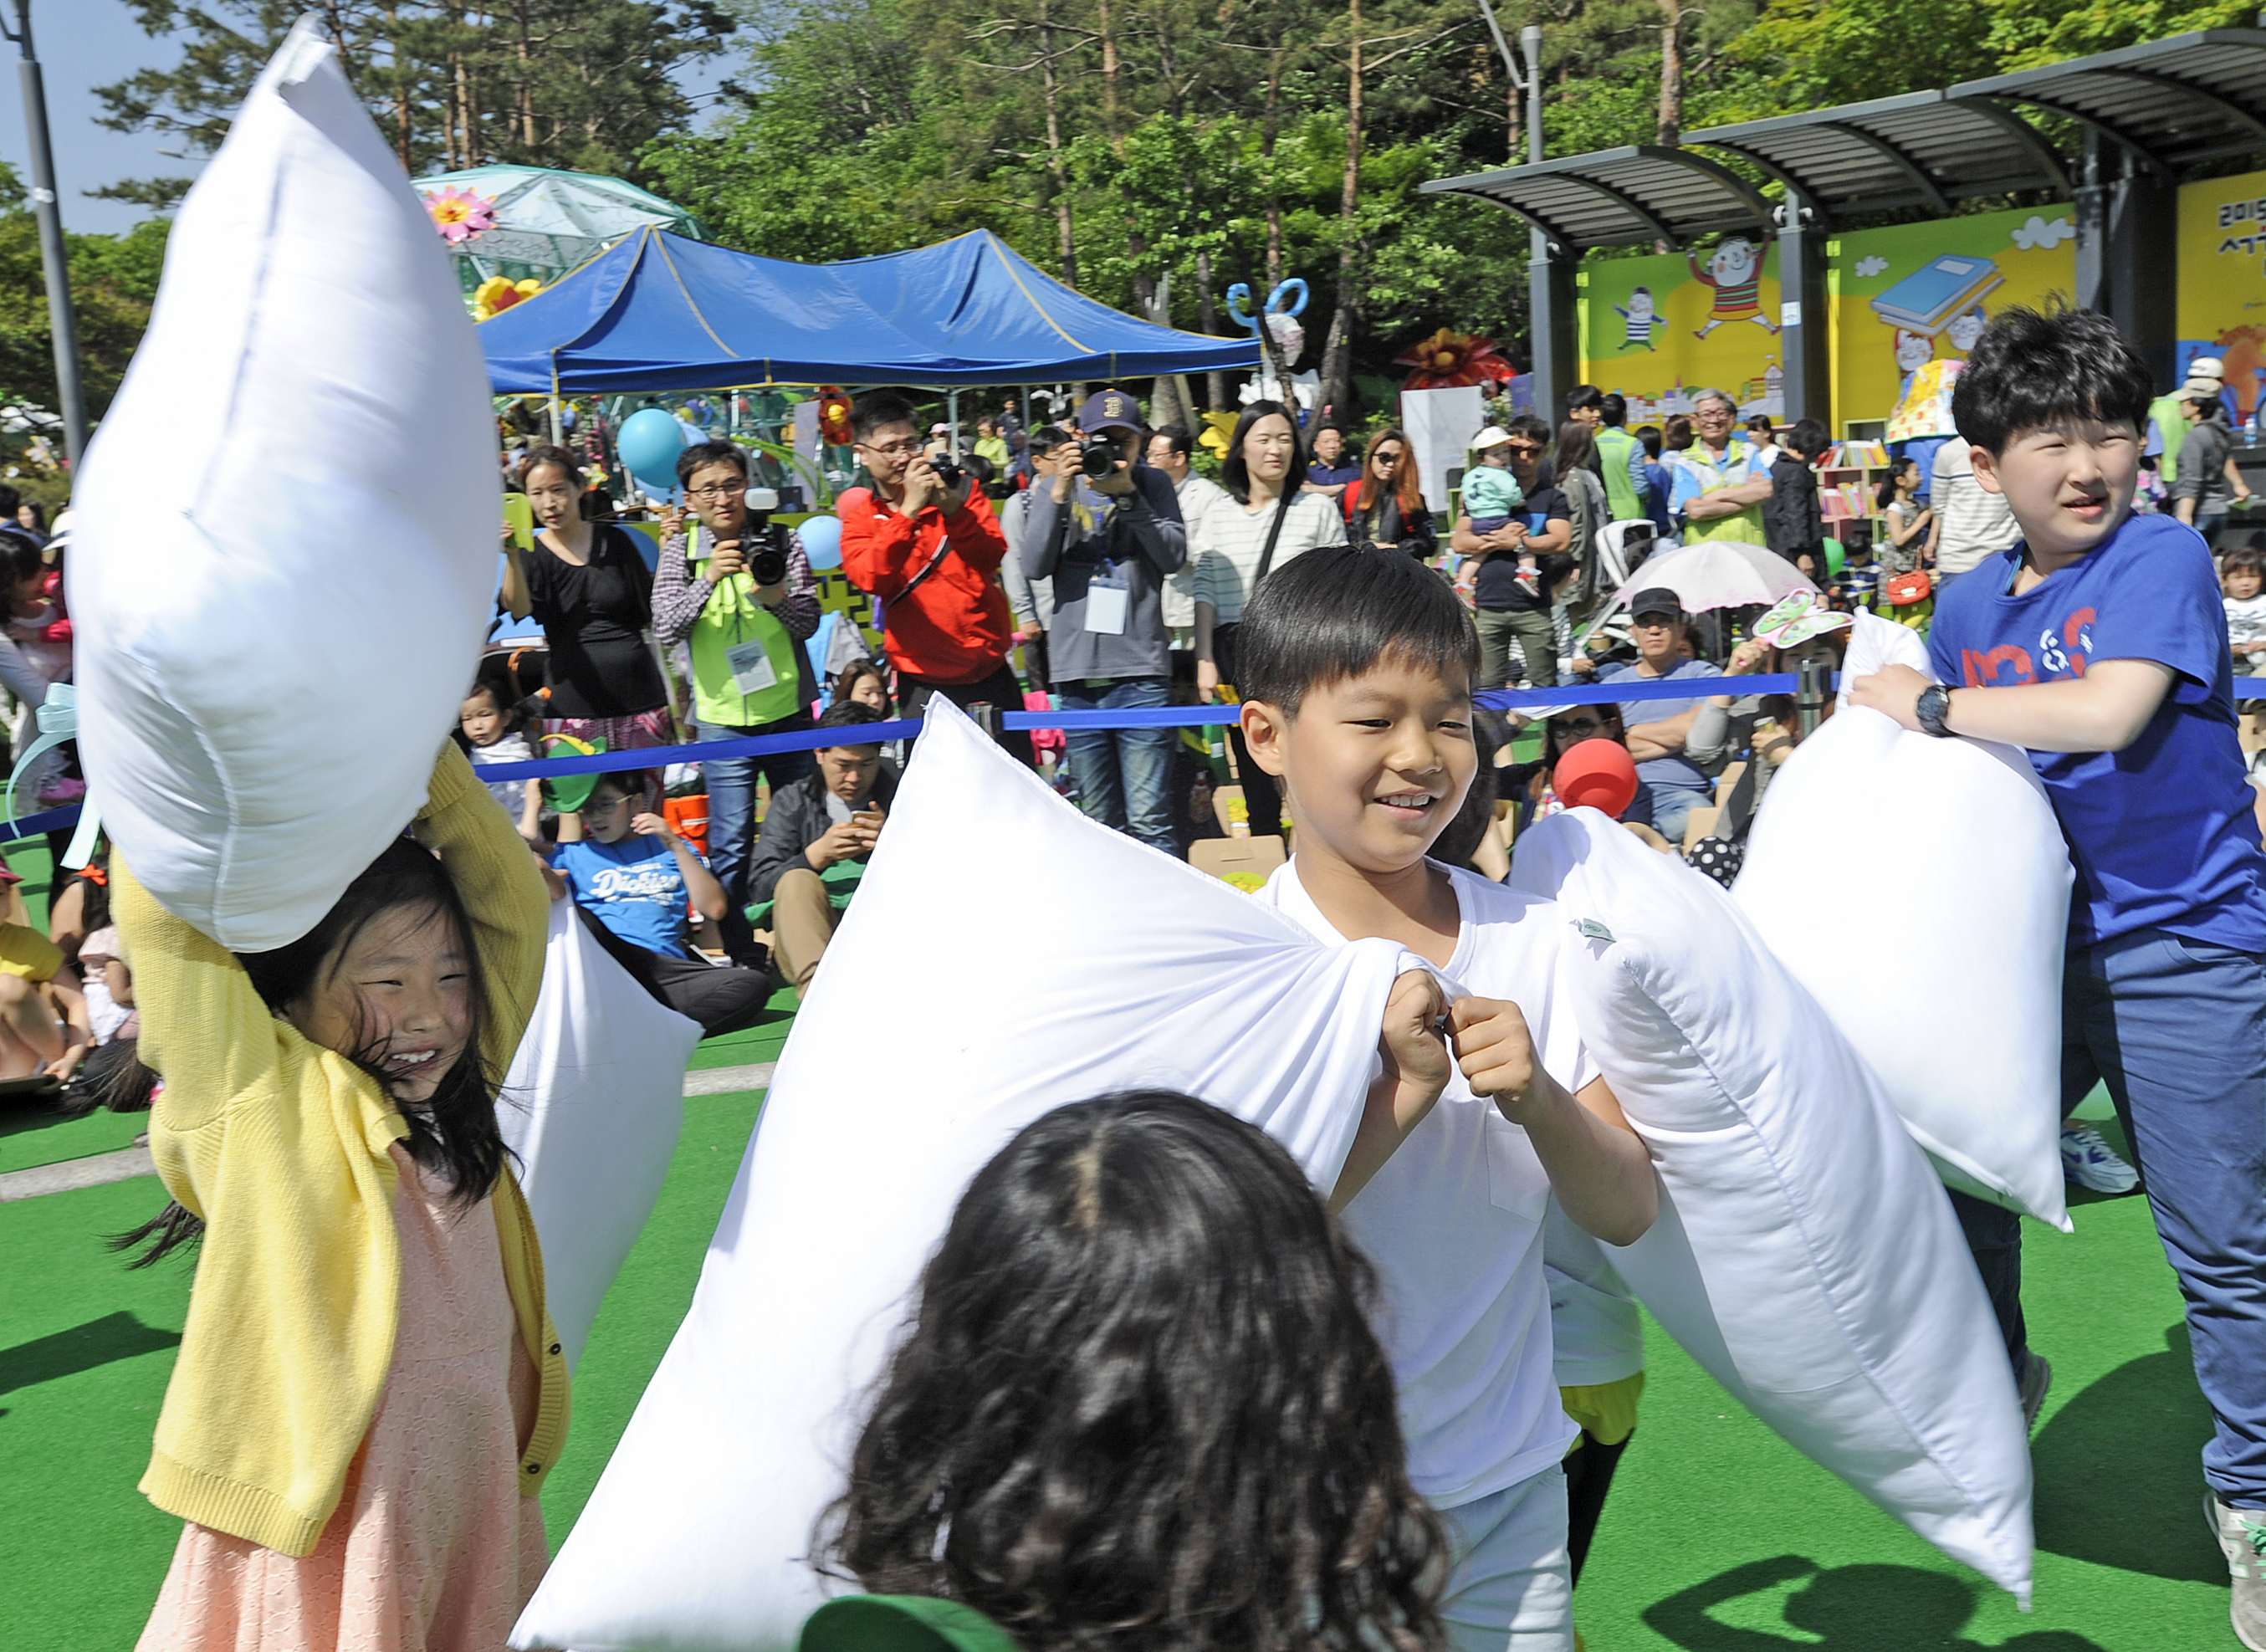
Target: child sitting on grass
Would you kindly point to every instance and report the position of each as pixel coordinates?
(1139, 1405)
(2099, 643)
(636, 882)
(1357, 669)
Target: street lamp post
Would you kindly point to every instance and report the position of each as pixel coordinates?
(53, 259)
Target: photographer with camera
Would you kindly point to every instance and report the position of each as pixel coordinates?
(738, 590)
(1107, 530)
(924, 540)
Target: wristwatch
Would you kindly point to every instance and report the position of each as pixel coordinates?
(1934, 705)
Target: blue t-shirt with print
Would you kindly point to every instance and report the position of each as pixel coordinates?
(2162, 833)
(633, 888)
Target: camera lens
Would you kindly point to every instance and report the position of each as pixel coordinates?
(768, 565)
(1097, 456)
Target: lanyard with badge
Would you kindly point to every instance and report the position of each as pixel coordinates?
(1108, 597)
(749, 663)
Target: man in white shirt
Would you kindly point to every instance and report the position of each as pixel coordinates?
(1971, 523)
(1168, 451)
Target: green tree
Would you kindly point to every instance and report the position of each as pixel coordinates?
(578, 84)
(113, 282)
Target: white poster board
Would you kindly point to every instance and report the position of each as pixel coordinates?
(1441, 424)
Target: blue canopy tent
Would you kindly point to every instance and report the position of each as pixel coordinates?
(657, 311)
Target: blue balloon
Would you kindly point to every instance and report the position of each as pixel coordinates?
(822, 541)
(649, 443)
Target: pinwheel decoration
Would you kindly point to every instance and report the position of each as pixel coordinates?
(834, 417)
(460, 215)
(1449, 360)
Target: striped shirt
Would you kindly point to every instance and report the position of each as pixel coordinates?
(1231, 540)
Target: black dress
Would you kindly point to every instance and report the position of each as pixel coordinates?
(595, 620)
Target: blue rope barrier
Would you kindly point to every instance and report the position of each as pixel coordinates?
(1130, 716)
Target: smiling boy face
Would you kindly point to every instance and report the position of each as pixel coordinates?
(1374, 765)
(2069, 485)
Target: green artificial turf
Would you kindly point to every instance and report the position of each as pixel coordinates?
(31, 1132)
(1718, 1538)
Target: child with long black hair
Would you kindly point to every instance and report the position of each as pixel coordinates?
(369, 1391)
(1139, 1407)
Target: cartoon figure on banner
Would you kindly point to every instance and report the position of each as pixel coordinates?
(2242, 360)
(1735, 274)
(1966, 328)
(1638, 317)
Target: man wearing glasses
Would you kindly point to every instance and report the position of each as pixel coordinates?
(1717, 486)
(932, 554)
(750, 673)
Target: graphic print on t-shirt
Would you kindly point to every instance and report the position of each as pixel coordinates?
(2062, 650)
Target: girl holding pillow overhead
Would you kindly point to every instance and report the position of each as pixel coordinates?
(1357, 670)
(369, 1391)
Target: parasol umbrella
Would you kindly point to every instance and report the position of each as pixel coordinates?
(1717, 574)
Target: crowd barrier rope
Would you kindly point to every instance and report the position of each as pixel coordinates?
(1134, 717)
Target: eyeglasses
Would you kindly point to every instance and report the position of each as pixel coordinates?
(1653, 622)
(1387, 455)
(718, 490)
(895, 450)
(1581, 724)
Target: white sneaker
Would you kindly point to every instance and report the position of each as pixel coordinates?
(2241, 1534)
(2089, 1161)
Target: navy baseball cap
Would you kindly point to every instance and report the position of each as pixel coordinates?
(1109, 410)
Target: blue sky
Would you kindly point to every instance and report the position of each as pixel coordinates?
(84, 44)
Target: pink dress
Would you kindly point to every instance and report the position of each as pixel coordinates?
(432, 1547)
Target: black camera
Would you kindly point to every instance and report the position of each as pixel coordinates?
(948, 471)
(766, 542)
(1098, 456)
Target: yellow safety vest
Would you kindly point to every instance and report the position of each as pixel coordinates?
(746, 668)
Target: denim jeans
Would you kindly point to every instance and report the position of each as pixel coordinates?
(1121, 771)
(2177, 1030)
(1671, 809)
(732, 815)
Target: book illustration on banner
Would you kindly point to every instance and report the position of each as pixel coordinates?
(1926, 300)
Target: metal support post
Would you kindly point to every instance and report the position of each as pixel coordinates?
(1806, 350)
(54, 262)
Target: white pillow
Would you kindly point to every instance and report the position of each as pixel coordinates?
(941, 1023)
(285, 541)
(1804, 1253)
(1919, 888)
(593, 1106)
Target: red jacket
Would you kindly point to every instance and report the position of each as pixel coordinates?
(954, 627)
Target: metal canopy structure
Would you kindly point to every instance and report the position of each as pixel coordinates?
(2158, 112)
(2171, 105)
(1923, 149)
(1643, 192)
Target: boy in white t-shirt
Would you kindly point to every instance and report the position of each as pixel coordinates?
(1356, 670)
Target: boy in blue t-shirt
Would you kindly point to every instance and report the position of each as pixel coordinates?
(636, 882)
(2099, 643)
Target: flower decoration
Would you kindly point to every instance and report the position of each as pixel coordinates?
(1448, 360)
(460, 215)
(499, 293)
(834, 417)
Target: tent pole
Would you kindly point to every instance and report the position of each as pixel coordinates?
(952, 417)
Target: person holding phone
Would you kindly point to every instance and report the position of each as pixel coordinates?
(827, 821)
(750, 674)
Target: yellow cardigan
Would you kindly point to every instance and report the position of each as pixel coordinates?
(280, 1144)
